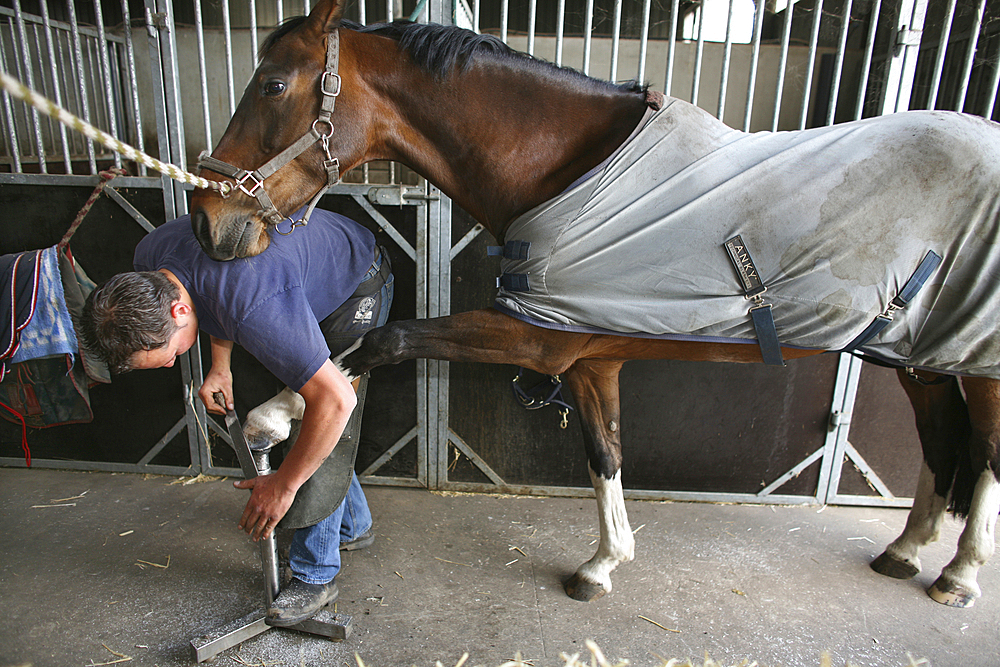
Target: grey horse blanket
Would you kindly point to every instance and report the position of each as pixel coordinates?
(836, 219)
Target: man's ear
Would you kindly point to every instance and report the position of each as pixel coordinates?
(179, 310)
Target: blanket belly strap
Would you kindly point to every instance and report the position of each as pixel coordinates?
(753, 288)
(927, 267)
(516, 250)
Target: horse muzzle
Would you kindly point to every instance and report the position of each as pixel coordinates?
(229, 237)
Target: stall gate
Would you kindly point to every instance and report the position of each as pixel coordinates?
(165, 77)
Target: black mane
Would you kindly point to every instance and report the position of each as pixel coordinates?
(442, 49)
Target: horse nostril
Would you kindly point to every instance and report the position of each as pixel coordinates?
(200, 225)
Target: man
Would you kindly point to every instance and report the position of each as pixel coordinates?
(303, 300)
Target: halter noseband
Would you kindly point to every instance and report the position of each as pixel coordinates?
(252, 183)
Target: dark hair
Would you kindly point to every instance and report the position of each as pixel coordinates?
(128, 313)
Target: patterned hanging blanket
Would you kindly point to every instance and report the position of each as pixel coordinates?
(837, 219)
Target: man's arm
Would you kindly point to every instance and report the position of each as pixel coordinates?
(219, 378)
(330, 399)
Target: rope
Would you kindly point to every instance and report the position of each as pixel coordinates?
(50, 108)
(105, 177)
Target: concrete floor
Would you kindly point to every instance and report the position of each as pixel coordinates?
(478, 574)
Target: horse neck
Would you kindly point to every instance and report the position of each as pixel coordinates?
(499, 140)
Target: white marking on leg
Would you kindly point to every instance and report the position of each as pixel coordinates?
(617, 542)
(923, 525)
(271, 422)
(977, 542)
(340, 357)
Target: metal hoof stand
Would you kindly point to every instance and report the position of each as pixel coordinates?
(336, 627)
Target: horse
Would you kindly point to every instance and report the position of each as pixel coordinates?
(505, 135)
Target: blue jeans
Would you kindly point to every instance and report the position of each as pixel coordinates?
(314, 556)
(315, 552)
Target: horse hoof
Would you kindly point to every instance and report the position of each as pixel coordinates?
(891, 566)
(951, 595)
(584, 591)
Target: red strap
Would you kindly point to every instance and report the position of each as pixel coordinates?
(24, 432)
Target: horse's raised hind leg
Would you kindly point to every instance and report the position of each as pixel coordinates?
(957, 586)
(595, 389)
(943, 425)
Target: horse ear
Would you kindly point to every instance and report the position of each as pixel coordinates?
(326, 15)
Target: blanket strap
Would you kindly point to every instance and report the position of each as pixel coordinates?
(927, 267)
(753, 289)
(510, 250)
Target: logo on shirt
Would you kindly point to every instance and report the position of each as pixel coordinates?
(364, 314)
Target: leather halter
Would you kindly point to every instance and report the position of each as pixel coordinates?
(251, 183)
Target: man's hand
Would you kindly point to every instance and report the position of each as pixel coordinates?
(217, 381)
(219, 378)
(269, 500)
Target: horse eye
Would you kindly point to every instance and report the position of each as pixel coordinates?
(274, 87)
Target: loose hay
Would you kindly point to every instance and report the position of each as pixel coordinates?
(597, 659)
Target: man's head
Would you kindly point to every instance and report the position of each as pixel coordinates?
(137, 320)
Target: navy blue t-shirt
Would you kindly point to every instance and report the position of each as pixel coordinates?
(270, 304)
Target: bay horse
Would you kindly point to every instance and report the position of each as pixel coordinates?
(504, 134)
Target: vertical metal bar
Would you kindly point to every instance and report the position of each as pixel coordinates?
(942, 51)
(786, 35)
(616, 41)
(50, 125)
(845, 393)
(668, 78)
(76, 140)
(305, 6)
(362, 12)
(866, 64)
(206, 113)
(130, 58)
(991, 100)
(839, 66)
(56, 93)
(560, 29)
(81, 81)
(227, 40)
(475, 14)
(102, 47)
(699, 55)
(532, 11)
(904, 55)
(29, 80)
(727, 52)
(388, 10)
(588, 37)
(253, 31)
(280, 7)
(811, 67)
(643, 42)
(970, 56)
(8, 110)
(504, 19)
(754, 63)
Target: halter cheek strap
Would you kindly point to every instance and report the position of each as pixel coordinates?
(251, 183)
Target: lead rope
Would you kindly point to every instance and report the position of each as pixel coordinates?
(50, 108)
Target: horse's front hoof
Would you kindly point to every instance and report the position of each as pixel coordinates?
(893, 567)
(584, 591)
(952, 595)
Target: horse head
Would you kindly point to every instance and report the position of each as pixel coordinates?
(279, 134)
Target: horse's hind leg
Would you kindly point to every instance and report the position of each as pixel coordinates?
(943, 425)
(975, 495)
(595, 388)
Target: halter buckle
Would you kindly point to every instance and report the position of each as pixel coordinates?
(252, 191)
(323, 84)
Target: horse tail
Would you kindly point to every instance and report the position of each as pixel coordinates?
(964, 484)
